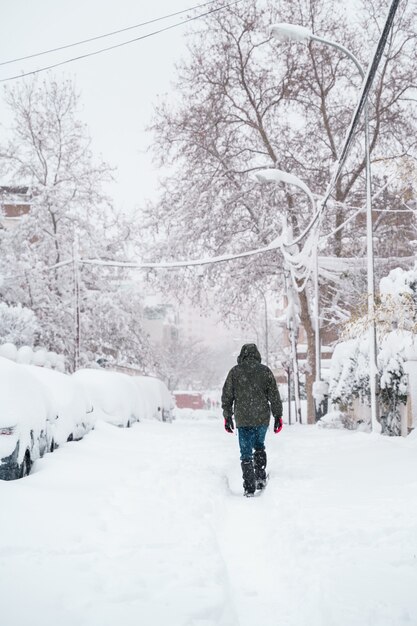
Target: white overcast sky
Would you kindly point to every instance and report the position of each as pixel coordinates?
(118, 88)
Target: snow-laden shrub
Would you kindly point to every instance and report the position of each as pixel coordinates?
(40, 357)
(393, 380)
(33, 356)
(25, 355)
(8, 351)
(18, 325)
(333, 419)
(342, 374)
(52, 358)
(396, 322)
(349, 376)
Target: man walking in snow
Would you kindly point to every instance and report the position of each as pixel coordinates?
(251, 393)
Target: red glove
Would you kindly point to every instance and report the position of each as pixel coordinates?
(228, 424)
(278, 425)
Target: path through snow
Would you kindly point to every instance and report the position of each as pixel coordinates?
(138, 527)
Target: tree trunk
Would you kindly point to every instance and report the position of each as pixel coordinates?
(311, 362)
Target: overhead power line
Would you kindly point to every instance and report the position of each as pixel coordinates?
(119, 45)
(278, 242)
(114, 32)
(367, 84)
(366, 88)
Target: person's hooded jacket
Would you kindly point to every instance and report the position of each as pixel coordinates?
(250, 390)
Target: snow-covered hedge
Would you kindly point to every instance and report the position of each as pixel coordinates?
(349, 375)
(33, 356)
(396, 321)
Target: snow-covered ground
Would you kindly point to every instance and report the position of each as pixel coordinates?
(138, 527)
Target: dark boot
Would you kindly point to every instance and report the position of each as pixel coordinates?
(249, 483)
(259, 461)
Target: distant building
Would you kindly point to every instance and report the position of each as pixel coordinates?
(160, 320)
(14, 203)
(196, 324)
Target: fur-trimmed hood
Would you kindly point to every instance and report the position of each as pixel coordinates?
(249, 351)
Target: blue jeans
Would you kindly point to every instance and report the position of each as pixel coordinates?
(251, 439)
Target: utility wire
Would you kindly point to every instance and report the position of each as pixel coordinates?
(367, 84)
(278, 242)
(114, 32)
(119, 45)
(339, 164)
(362, 209)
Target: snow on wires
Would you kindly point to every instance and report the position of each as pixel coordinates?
(366, 87)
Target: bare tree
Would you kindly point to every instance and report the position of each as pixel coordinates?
(189, 365)
(244, 102)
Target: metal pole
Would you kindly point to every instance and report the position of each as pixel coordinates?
(77, 330)
(317, 314)
(373, 367)
(266, 331)
(292, 321)
(289, 393)
(317, 404)
(373, 373)
(296, 375)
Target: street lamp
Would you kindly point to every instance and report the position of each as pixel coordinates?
(292, 32)
(278, 176)
(266, 327)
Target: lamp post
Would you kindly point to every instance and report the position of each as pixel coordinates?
(266, 327)
(292, 32)
(278, 176)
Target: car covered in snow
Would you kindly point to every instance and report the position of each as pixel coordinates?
(157, 398)
(69, 409)
(25, 430)
(113, 395)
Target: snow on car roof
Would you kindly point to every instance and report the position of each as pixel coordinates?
(22, 400)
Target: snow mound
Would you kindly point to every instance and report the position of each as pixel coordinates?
(333, 419)
(8, 351)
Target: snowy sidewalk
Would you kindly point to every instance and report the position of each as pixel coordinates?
(138, 527)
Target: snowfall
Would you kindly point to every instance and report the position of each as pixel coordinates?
(147, 526)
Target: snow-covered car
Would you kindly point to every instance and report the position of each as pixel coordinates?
(25, 430)
(70, 411)
(158, 400)
(113, 394)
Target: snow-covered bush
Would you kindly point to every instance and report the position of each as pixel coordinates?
(18, 324)
(333, 419)
(33, 356)
(342, 374)
(24, 355)
(8, 351)
(396, 320)
(393, 380)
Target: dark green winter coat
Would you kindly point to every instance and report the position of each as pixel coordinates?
(250, 390)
